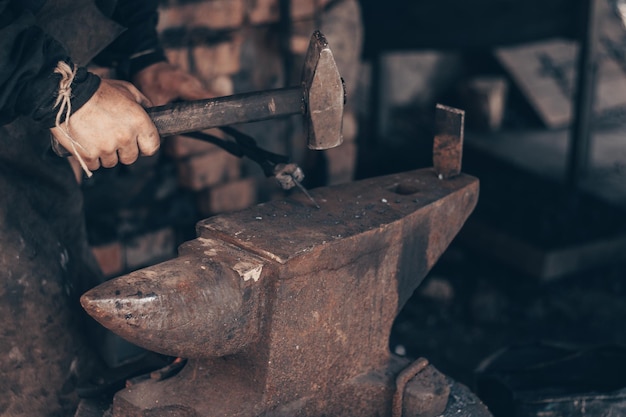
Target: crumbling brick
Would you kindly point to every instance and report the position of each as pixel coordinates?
(262, 11)
(207, 170)
(341, 163)
(181, 146)
(210, 61)
(268, 11)
(350, 126)
(214, 14)
(110, 257)
(221, 86)
(233, 196)
(301, 35)
(150, 248)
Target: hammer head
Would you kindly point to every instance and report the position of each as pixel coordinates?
(324, 95)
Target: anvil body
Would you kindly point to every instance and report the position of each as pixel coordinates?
(283, 309)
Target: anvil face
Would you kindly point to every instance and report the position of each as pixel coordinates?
(284, 305)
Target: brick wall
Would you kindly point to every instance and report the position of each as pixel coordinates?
(232, 46)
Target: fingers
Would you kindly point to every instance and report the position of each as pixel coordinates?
(163, 82)
(128, 154)
(149, 143)
(111, 128)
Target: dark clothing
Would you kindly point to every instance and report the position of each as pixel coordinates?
(29, 55)
(140, 18)
(45, 260)
(44, 264)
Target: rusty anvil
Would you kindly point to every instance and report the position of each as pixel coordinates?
(285, 310)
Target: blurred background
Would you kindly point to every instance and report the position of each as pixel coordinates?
(537, 274)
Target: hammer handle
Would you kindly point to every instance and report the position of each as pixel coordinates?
(190, 116)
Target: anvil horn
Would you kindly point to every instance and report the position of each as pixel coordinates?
(198, 305)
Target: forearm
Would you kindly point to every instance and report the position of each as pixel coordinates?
(28, 57)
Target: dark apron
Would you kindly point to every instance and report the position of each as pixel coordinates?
(45, 260)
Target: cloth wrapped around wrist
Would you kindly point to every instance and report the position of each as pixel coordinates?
(83, 87)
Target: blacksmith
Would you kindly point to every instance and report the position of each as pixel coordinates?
(46, 91)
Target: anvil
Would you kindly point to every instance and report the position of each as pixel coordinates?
(284, 309)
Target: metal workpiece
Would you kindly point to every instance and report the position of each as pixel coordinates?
(284, 309)
(448, 141)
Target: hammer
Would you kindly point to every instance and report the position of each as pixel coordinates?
(320, 99)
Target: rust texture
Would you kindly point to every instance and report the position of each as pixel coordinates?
(284, 309)
(448, 142)
(324, 95)
(402, 380)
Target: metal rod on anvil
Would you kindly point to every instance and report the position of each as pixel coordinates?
(448, 141)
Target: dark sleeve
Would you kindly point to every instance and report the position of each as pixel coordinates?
(28, 57)
(139, 46)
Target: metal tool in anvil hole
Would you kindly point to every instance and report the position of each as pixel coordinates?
(320, 99)
(288, 174)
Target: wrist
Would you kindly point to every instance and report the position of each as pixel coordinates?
(83, 86)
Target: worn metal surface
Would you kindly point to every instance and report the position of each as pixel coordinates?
(402, 380)
(448, 143)
(285, 309)
(324, 95)
(427, 394)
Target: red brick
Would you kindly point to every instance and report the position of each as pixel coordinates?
(267, 11)
(207, 170)
(221, 86)
(232, 196)
(301, 9)
(183, 146)
(150, 248)
(262, 11)
(215, 60)
(341, 162)
(301, 35)
(214, 14)
(350, 126)
(110, 257)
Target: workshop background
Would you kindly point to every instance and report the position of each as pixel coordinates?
(530, 296)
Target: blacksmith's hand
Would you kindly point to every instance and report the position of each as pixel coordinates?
(163, 82)
(111, 127)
